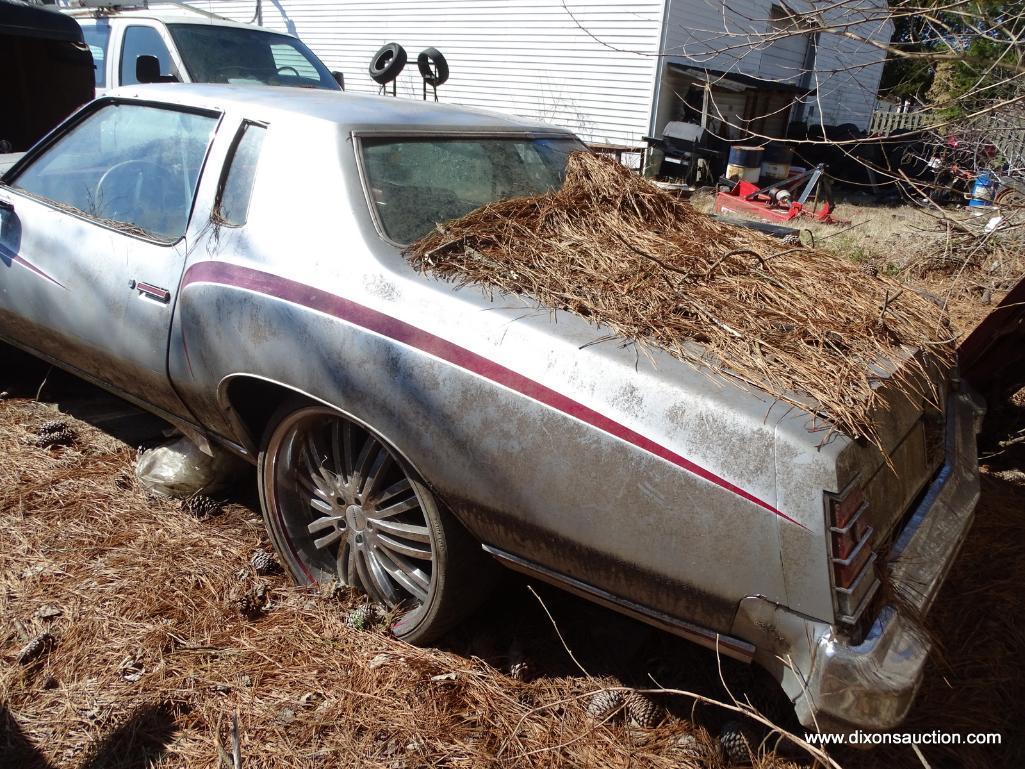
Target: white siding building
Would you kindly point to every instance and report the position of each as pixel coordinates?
(614, 71)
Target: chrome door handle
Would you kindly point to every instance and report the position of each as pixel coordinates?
(153, 292)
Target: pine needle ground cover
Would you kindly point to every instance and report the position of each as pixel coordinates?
(796, 322)
(150, 654)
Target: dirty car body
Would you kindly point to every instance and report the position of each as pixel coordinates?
(240, 273)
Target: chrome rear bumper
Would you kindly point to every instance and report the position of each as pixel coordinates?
(838, 686)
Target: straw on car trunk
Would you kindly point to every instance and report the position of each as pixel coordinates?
(797, 322)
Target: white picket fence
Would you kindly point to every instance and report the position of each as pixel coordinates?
(886, 122)
(1004, 130)
(1007, 133)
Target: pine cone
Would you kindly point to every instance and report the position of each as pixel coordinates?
(200, 506)
(687, 747)
(642, 711)
(363, 617)
(263, 563)
(64, 436)
(35, 648)
(735, 743)
(253, 603)
(604, 704)
(793, 239)
(53, 426)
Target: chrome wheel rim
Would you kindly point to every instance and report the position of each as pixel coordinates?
(349, 509)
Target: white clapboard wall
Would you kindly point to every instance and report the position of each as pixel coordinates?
(587, 66)
(847, 73)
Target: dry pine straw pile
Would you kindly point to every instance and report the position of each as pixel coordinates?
(150, 646)
(618, 251)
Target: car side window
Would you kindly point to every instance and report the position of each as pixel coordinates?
(133, 167)
(143, 41)
(97, 37)
(236, 187)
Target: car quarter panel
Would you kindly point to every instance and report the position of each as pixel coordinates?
(622, 468)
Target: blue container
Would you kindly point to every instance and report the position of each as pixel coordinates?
(747, 157)
(745, 163)
(983, 190)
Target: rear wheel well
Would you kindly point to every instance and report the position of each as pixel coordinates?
(254, 401)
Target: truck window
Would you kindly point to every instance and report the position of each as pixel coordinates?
(237, 182)
(143, 41)
(97, 37)
(289, 60)
(133, 167)
(221, 54)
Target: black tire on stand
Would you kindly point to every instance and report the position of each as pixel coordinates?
(387, 63)
(433, 67)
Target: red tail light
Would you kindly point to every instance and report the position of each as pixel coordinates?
(851, 555)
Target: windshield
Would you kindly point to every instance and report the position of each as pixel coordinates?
(416, 183)
(216, 54)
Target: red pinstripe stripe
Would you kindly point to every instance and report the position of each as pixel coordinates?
(393, 328)
(18, 259)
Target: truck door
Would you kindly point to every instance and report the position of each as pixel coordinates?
(92, 245)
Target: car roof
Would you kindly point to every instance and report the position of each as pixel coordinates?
(352, 112)
(177, 16)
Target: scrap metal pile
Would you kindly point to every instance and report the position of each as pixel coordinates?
(796, 322)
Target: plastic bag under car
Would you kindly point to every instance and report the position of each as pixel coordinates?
(180, 469)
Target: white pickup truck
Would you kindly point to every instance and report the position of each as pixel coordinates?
(187, 45)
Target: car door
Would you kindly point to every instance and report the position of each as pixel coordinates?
(92, 245)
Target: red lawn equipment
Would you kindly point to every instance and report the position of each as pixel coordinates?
(777, 203)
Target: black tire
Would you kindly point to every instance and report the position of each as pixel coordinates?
(845, 131)
(1010, 198)
(387, 63)
(433, 67)
(461, 573)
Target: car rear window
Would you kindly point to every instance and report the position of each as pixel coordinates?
(415, 183)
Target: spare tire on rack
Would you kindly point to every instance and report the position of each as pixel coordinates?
(433, 67)
(387, 63)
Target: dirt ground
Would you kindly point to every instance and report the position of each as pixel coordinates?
(161, 632)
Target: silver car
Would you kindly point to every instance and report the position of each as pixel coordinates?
(231, 259)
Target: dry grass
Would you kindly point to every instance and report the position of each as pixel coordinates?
(945, 250)
(796, 322)
(152, 656)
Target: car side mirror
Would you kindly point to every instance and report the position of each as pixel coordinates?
(147, 69)
(339, 78)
